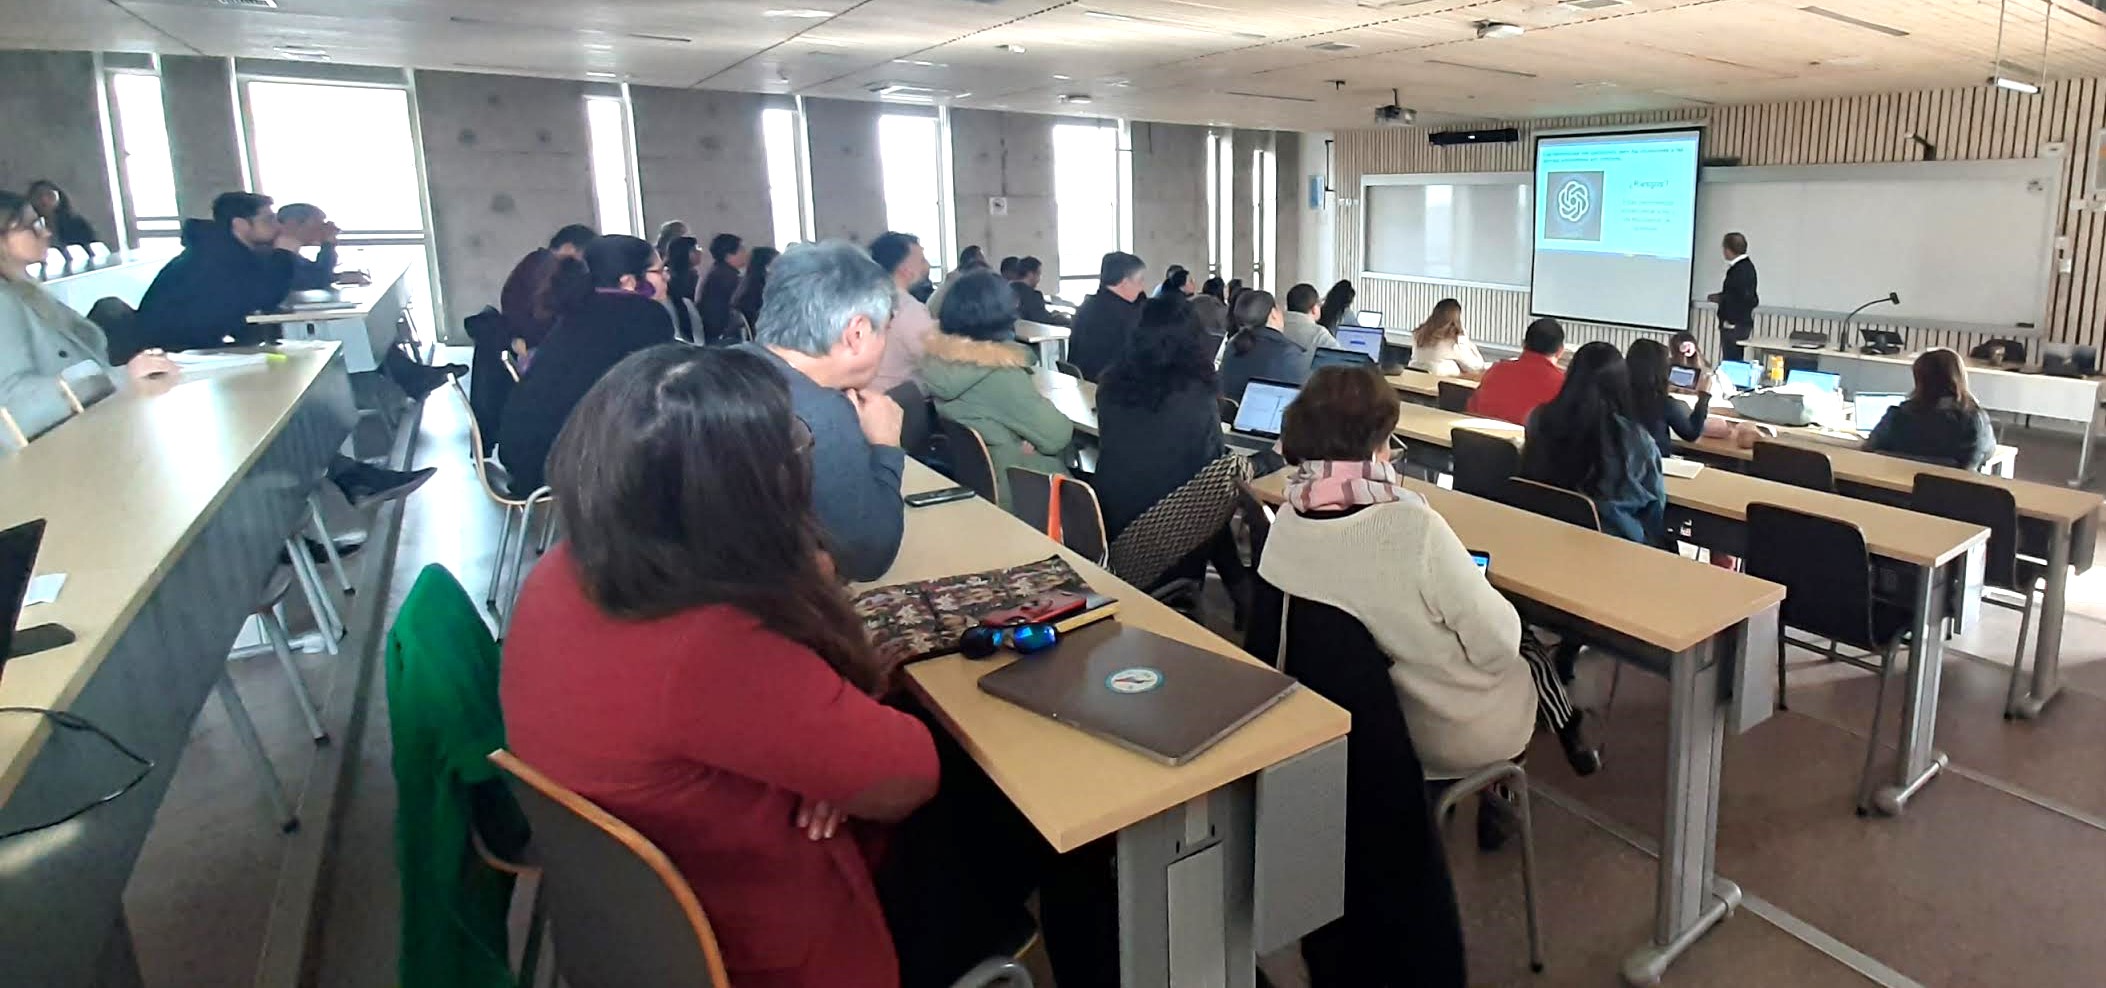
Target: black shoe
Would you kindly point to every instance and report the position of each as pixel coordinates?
(368, 485)
(1497, 819)
(1582, 752)
(320, 555)
(420, 380)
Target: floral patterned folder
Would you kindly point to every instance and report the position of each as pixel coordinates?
(917, 620)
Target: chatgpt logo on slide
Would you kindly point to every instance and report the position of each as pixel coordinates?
(1574, 209)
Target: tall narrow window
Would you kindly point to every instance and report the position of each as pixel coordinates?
(1263, 225)
(913, 170)
(142, 148)
(1085, 202)
(612, 193)
(1215, 267)
(779, 141)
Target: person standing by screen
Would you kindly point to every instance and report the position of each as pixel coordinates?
(1736, 299)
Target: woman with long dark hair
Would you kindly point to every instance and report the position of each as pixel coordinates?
(607, 306)
(1587, 439)
(68, 228)
(1940, 422)
(1337, 302)
(1440, 346)
(746, 299)
(1212, 311)
(1158, 415)
(708, 682)
(1653, 403)
(1258, 349)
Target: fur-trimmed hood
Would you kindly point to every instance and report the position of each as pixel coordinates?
(952, 365)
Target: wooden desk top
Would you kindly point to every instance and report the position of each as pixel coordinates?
(1656, 597)
(1421, 383)
(1074, 787)
(1039, 332)
(1075, 397)
(2048, 502)
(125, 487)
(1428, 424)
(363, 299)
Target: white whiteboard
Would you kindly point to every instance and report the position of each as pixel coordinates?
(1472, 228)
(1962, 242)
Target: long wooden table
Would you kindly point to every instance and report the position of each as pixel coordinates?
(366, 324)
(167, 513)
(1710, 632)
(1215, 854)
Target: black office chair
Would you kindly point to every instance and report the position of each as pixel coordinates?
(1455, 397)
(1032, 498)
(1535, 497)
(1826, 571)
(917, 419)
(1481, 462)
(1995, 509)
(1799, 466)
(1400, 909)
(971, 465)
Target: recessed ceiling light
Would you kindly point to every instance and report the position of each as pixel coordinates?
(799, 13)
(917, 61)
(1012, 49)
(598, 46)
(1062, 78)
(601, 75)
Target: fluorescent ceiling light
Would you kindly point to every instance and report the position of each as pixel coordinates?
(1012, 49)
(601, 75)
(1856, 22)
(301, 51)
(1106, 15)
(1291, 99)
(1482, 68)
(2014, 85)
(1062, 78)
(799, 13)
(924, 63)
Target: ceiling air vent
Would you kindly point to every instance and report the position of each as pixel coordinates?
(1594, 4)
(1332, 46)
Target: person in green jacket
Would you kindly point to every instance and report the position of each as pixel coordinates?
(444, 720)
(980, 376)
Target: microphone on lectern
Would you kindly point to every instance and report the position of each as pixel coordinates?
(1843, 338)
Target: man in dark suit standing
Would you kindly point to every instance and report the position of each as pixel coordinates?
(1736, 299)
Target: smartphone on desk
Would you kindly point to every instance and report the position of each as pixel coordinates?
(1039, 610)
(940, 496)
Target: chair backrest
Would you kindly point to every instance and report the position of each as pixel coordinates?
(917, 419)
(85, 391)
(476, 448)
(1482, 462)
(1823, 566)
(1229, 407)
(621, 914)
(1799, 466)
(1535, 497)
(1062, 507)
(119, 323)
(1455, 396)
(1069, 369)
(970, 463)
(1992, 507)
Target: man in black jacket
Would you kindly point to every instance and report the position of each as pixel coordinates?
(1030, 302)
(728, 256)
(230, 267)
(1737, 299)
(1107, 319)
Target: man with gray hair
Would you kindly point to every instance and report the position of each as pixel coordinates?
(305, 225)
(823, 324)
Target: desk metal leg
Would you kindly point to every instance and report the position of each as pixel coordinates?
(2091, 428)
(1920, 760)
(1691, 897)
(2047, 657)
(1185, 896)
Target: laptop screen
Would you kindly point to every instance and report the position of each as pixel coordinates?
(18, 560)
(1367, 341)
(1871, 406)
(1740, 373)
(1263, 404)
(1368, 318)
(1819, 380)
(1327, 357)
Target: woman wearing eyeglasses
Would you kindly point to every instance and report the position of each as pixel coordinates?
(41, 339)
(608, 306)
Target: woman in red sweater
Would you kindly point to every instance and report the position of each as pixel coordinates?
(686, 660)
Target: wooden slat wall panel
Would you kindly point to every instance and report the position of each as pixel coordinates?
(1972, 123)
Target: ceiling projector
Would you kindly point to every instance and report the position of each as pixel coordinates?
(1395, 115)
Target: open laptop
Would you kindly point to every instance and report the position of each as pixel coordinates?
(1327, 357)
(1818, 380)
(1368, 319)
(1153, 695)
(18, 560)
(1739, 373)
(1871, 406)
(1363, 340)
(1257, 424)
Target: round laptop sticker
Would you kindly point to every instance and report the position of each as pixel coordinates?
(1139, 679)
